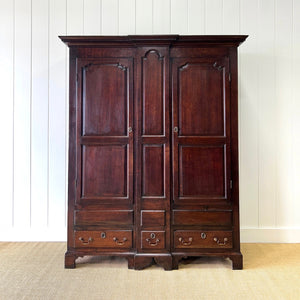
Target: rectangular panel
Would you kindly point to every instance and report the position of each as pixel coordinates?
(201, 171)
(105, 99)
(201, 98)
(202, 239)
(189, 217)
(103, 217)
(104, 239)
(153, 218)
(153, 170)
(153, 93)
(104, 171)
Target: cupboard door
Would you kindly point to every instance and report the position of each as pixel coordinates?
(104, 132)
(201, 131)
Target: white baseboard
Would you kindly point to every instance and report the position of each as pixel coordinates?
(248, 235)
(270, 235)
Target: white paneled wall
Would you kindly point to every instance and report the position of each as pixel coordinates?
(34, 91)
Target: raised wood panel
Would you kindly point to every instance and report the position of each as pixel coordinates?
(202, 218)
(153, 93)
(105, 171)
(103, 217)
(152, 218)
(105, 99)
(202, 171)
(201, 99)
(153, 170)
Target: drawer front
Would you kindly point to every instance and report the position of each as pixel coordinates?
(153, 218)
(153, 239)
(103, 217)
(202, 239)
(187, 217)
(104, 239)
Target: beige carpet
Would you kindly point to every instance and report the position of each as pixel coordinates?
(35, 271)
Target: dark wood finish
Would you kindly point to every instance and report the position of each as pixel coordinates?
(104, 239)
(202, 239)
(153, 218)
(153, 148)
(153, 240)
(202, 218)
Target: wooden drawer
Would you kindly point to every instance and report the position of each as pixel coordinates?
(153, 239)
(153, 218)
(202, 239)
(202, 218)
(104, 239)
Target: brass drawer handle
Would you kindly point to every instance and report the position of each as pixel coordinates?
(120, 243)
(90, 239)
(225, 240)
(153, 244)
(184, 243)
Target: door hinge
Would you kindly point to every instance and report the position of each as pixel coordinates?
(230, 184)
(229, 76)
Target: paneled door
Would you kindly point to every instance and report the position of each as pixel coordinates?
(153, 159)
(104, 110)
(201, 131)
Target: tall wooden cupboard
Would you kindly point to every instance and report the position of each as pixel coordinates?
(153, 148)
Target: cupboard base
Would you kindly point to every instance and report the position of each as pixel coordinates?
(167, 261)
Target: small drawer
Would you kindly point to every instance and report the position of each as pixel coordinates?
(153, 218)
(103, 239)
(153, 239)
(202, 239)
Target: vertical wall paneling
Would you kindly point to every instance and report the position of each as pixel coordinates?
(266, 114)
(249, 115)
(144, 21)
(39, 113)
(34, 103)
(214, 16)
(57, 113)
(283, 43)
(231, 16)
(196, 16)
(110, 17)
(296, 113)
(75, 12)
(161, 16)
(179, 16)
(92, 17)
(126, 17)
(7, 111)
(22, 113)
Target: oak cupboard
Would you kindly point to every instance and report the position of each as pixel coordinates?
(153, 148)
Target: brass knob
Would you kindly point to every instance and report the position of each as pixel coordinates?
(176, 129)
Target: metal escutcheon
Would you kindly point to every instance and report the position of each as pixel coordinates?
(175, 129)
(129, 129)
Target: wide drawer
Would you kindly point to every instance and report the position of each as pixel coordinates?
(153, 239)
(202, 239)
(104, 239)
(209, 218)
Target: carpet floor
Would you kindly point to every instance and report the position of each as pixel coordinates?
(35, 271)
